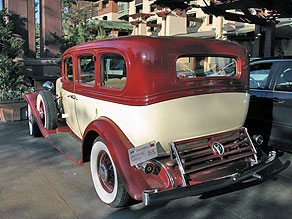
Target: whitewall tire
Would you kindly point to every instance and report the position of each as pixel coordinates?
(46, 107)
(105, 177)
(32, 124)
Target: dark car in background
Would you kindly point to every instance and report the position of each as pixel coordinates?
(270, 110)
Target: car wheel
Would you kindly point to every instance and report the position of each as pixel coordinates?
(47, 109)
(105, 178)
(32, 124)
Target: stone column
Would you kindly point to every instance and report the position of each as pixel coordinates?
(51, 21)
(269, 40)
(256, 51)
(18, 11)
(31, 28)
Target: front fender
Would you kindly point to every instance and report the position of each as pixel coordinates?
(135, 180)
(31, 99)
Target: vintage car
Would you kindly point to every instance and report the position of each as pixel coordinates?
(158, 118)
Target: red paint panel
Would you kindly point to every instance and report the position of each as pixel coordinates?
(151, 68)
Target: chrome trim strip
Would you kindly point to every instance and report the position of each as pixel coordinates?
(180, 166)
(146, 198)
(252, 145)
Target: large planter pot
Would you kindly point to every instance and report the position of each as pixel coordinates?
(13, 110)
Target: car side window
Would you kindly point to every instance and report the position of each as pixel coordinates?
(259, 74)
(68, 65)
(86, 69)
(113, 72)
(284, 78)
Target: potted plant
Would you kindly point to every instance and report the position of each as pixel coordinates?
(12, 87)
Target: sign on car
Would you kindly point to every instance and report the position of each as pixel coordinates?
(142, 153)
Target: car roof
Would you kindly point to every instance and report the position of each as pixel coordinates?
(169, 44)
(273, 59)
(151, 67)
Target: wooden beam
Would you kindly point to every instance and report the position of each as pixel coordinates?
(252, 19)
(236, 4)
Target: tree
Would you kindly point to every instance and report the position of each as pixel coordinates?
(76, 30)
(11, 72)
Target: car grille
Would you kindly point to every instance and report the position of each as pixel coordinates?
(195, 155)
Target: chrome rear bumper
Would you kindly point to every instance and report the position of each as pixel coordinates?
(155, 196)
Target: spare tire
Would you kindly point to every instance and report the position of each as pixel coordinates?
(46, 107)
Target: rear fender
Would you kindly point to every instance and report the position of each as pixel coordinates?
(118, 144)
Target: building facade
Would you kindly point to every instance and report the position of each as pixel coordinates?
(149, 20)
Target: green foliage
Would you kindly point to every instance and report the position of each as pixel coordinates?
(76, 30)
(11, 77)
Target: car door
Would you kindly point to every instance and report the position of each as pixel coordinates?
(281, 134)
(259, 118)
(68, 94)
(86, 103)
(108, 76)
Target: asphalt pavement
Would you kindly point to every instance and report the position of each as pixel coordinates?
(37, 181)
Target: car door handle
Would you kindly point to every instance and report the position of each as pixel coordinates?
(72, 96)
(276, 100)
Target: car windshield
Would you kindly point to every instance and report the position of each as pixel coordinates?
(205, 66)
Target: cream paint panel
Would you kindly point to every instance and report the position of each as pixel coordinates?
(171, 120)
(69, 108)
(58, 86)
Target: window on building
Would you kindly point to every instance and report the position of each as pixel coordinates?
(68, 68)
(210, 21)
(105, 3)
(123, 6)
(139, 8)
(104, 18)
(153, 26)
(138, 2)
(153, 9)
(86, 69)
(191, 20)
(113, 72)
(188, 67)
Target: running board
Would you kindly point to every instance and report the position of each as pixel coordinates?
(68, 144)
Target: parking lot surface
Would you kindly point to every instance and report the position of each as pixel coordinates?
(37, 181)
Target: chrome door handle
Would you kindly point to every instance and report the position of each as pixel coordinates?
(276, 100)
(72, 96)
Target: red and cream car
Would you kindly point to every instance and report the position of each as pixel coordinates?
(157, 117)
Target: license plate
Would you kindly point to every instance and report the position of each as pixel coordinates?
(142, 153)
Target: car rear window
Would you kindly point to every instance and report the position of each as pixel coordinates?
(188, 67)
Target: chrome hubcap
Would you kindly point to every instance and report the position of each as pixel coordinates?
(41, 113)
(103, 173)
